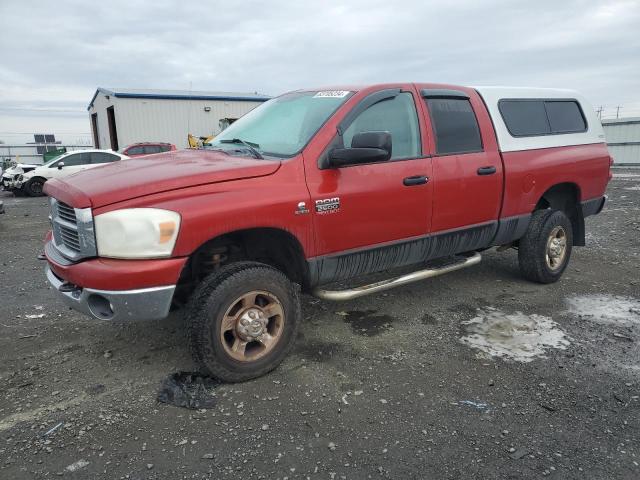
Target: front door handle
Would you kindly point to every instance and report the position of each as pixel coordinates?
(415, 180)
(486, 170)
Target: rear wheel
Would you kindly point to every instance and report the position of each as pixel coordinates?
(545, 249)
(242, 321)
(34, 186)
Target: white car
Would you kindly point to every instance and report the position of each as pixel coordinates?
(67, 164)
(13, 172)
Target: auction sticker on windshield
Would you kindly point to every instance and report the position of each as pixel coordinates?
(332, 94)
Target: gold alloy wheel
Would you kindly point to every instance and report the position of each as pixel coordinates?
(556, 248)
(252, 326)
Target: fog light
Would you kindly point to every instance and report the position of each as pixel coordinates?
(100, 306)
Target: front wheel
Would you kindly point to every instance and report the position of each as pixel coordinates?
(34, 186)
(242, 321)
(545, 249)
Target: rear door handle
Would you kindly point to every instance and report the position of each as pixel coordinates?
(486, 170)
(415, 180)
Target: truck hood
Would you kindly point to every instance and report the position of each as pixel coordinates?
(137, 177)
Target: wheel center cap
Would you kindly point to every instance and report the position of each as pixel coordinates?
(555, 248)
(251, 324)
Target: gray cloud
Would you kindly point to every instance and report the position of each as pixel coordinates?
(54, 54)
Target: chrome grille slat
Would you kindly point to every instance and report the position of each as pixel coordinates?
(73, 234)
(67, 217)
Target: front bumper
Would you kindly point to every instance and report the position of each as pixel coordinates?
(117, 305)
(10, 184)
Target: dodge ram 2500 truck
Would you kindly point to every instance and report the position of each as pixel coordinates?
(321, 187)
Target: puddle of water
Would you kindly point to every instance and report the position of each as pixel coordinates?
(515, 336)
(605, 308)
(188, 390)
(367, 322)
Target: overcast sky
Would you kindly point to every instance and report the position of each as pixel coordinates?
(54, 54)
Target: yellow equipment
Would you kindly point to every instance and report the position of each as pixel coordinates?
(198, 142)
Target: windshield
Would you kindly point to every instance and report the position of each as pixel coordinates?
(282, 126)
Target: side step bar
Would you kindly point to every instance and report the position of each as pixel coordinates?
(350, 294)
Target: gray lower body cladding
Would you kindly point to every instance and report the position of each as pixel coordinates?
(363, 261)
(333, 268)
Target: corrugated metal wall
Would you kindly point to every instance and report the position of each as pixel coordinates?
(623, 139)
(100, 106)
(156, 120)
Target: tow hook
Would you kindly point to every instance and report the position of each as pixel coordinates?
(67, 287)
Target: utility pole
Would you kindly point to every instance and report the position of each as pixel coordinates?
(599, 112)
(618, 111)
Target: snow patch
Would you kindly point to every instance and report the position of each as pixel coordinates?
(605, 308)
(514, 336)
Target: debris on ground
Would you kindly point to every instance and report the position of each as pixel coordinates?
(49, 432)
(188, 390)
(79, 465)
(478, 405)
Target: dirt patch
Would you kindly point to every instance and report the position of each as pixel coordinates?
(188, 390)
(318, 351)
(514, 336)
(429, 319)
(367, 322)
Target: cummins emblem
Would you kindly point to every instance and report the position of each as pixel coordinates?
(328, 205)
(302, 208)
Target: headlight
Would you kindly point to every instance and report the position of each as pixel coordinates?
(137, 233)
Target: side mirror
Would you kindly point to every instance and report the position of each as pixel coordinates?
(60, 165)
(366, 147)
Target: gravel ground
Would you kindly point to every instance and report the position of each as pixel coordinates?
(476, 374)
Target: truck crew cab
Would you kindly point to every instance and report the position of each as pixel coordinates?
(322, 186)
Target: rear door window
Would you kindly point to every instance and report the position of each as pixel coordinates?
(455, 126)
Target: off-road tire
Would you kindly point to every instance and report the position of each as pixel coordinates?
(34, 186)
(532, 249)
(208, 304)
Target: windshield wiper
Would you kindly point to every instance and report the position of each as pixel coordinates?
(249, 146)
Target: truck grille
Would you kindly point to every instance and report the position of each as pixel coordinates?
(73, 234)
(66, 212)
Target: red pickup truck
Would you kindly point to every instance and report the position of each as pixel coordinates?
(318, 187)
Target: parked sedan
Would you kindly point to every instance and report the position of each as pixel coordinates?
(32, 182)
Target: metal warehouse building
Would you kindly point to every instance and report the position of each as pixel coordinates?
(120, 117)
(623, 140)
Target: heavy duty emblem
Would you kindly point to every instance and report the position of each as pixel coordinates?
(328, 205)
